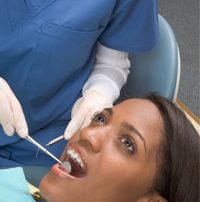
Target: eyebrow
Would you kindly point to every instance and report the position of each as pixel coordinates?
(134, 130)
(129, 127)
(109, 110)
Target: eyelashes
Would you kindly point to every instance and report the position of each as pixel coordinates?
(99, 119)
(128, 144)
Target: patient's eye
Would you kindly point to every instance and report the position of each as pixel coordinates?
(99, 118)
(129, 144)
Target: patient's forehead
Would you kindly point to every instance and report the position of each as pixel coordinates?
(139, 110)
(143, 106)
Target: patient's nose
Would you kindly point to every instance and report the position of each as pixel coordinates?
(93, 138)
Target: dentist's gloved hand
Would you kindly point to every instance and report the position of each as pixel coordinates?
(84, 109)
(102, 88)
(11, 115)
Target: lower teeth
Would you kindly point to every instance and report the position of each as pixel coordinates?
(66, 166)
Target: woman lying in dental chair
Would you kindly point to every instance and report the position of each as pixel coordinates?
(140, 150)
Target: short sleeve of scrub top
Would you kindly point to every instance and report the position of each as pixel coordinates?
(133, 26)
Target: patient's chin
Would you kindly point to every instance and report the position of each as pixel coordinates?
(43, 186)
(46, 190)
(49, 189)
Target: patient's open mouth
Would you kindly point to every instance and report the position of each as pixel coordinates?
(76, 161)
(74, 165)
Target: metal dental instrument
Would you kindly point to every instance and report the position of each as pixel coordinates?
(55, 140)
(31, 140)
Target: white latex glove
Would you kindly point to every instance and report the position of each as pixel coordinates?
(102, 88)
(84, 109)
(11, 115)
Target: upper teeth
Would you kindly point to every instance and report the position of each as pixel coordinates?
(75, 156)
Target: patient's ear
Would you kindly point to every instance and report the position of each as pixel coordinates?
(154, 197)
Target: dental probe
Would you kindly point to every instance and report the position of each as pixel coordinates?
(55, 140)
(31, 140)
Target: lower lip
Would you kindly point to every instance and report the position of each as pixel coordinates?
(59, 173)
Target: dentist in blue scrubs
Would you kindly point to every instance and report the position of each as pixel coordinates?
(61, 61)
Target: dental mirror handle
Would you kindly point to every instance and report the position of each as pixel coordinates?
(30, 139)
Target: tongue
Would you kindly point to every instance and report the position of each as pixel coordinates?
(77, 170)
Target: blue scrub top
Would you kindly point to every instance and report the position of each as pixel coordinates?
(47, 53)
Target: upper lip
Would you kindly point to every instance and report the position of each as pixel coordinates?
(81, 154)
